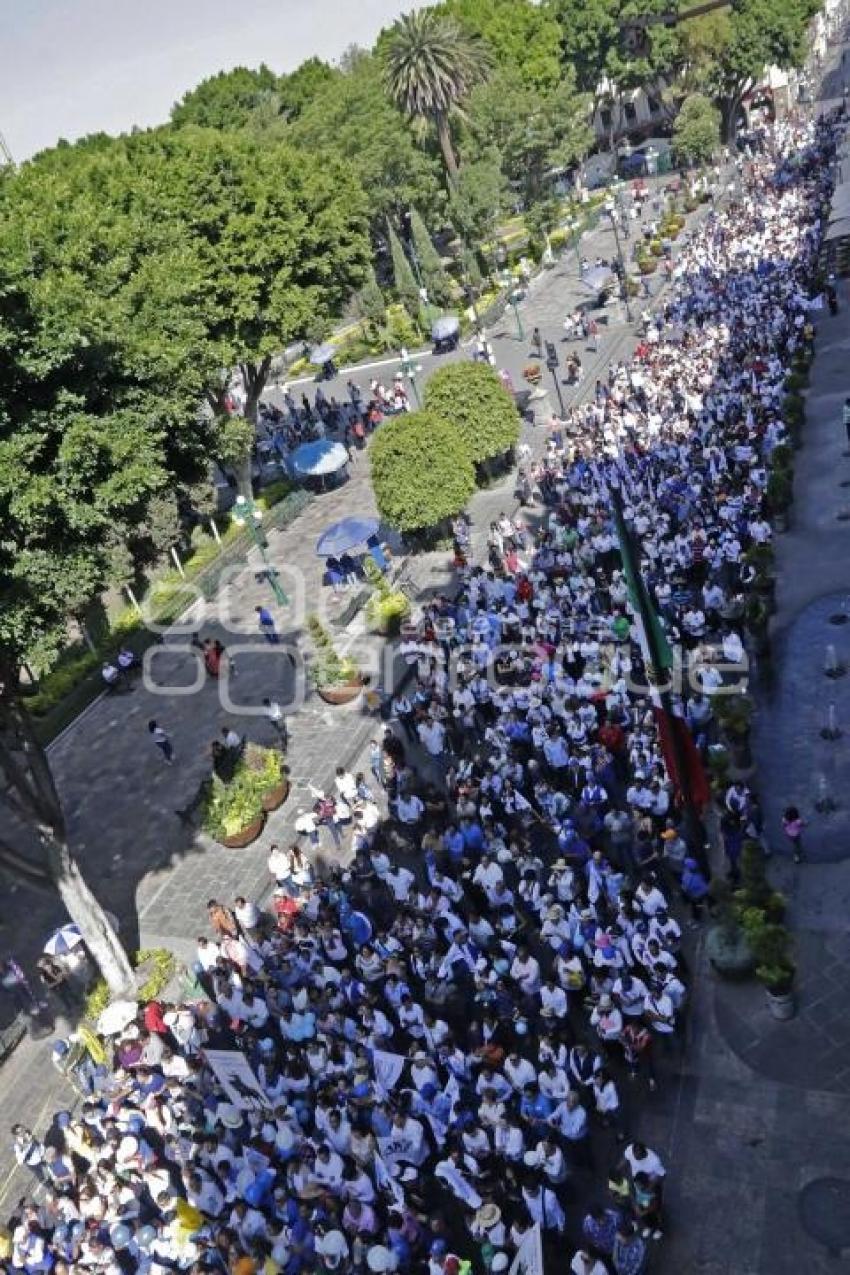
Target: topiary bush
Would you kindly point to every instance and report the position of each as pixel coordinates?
(473, 399)
(422, 473)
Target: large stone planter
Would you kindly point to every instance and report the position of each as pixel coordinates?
(244, 838)
(276, 796)
(340, 694)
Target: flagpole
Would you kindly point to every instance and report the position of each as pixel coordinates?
(693, 826)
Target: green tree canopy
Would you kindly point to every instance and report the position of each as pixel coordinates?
(274, 243)
(403, 277)
(430, 66)
(524, 37)
(532, 131)
(760, 33)
(99, 387)
(480, 409)
(231, 100)
(434, 276)
(421, 471)
(354, 119)
(478, 198)
(696, 132)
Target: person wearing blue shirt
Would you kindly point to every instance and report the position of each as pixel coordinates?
(472, 836)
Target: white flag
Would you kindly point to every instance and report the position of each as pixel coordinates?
(387, 1067)
(529, 1258)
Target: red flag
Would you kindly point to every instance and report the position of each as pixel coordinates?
(696, 781)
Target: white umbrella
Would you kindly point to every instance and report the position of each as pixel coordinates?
(116, 1017)
(64, 940)
(319, 458)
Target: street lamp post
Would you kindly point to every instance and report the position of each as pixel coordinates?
(408, 370)
(553, 363)
(246, 514)
(513, 301)
(624, 287)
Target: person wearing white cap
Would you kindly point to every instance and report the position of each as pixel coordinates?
(331, 1246)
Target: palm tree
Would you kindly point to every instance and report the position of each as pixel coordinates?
(430, 65)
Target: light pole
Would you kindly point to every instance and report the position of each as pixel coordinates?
(624, 288)
(514, 299)
(246, 514)
(408, 370)
(553, 363)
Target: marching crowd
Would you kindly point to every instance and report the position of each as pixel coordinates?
(448, 1042)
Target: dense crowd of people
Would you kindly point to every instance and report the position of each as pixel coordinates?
(454, 1037)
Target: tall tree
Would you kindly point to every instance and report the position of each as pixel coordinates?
(231, 100)
(371, 301)
(533, 132)
(430, 66)
(274, 244)
(761, 33)
(696, 133)
(431, 267)
(354, 119)
(34, 842)
(524, 37)
(99, 387)
(403, 276)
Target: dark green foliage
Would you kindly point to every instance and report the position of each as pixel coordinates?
(421, 471)
(481, 411)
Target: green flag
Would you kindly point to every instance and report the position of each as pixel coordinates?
(658, 651)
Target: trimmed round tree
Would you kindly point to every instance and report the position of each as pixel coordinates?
(421, 471)
(481, 410)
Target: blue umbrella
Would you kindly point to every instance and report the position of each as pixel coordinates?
(321, 457)
(344, 535)
(597, 278)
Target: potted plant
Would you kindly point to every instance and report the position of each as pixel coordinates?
(532, 372)
(779, 492)
(734, 717)
(233, 813)
(265, 768)
(387, 608)
(754, 891)
(337, 680)
(775, 968)
(726, 943)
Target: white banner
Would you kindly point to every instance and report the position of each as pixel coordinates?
(387, 1067)
(233, 1072)
(529, 1258)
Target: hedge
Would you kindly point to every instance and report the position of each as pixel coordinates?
(421, 471)
(472, 398)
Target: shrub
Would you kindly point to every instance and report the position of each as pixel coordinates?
(473, 399)
(656, 248)
(229, 808)
(779, 490)
(98, 996)
(422, 473)
(387, 608)
(327, 668)
(647, 265)
(273, 493)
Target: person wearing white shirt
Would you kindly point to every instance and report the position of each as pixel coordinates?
(642, 1159)
(584, 1263)
(544, 1207)
(525, 970)
(520, 1072)
(553, 1000)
